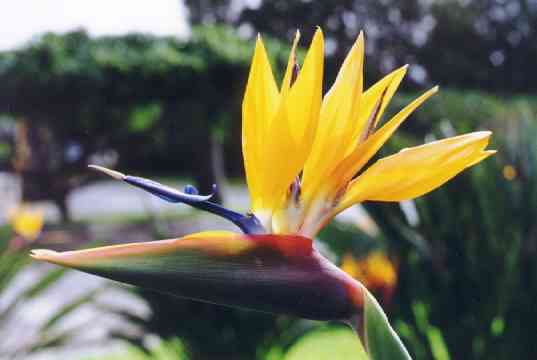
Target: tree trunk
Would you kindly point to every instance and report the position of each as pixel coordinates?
(211, 170)
(218, 166)
(37, 160)
(61, 203)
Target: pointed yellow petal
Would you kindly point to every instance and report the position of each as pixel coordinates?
(415, 171)
(485, 154)
(291, 133)
(291, 141)
(261, 101)
(291, 63)
(304, 101)
(281, 138)
(395, 79)
(366, 150)
(336, 123)
(372, 105)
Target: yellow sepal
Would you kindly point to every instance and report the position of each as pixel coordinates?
(261, 101)
(373, 104)
(278, 128)
(348, 168)
(337, 120)
(415, 171)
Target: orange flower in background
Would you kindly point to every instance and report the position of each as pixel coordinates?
(376, 271)
(509, 172)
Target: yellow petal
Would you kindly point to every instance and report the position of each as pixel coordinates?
(261, 101)
(278, 129)
(336, 123)
(291, 133)
(304, 101)
(485, 154)
(394, 81)
(366, 150)
(415, 171)
(291, 63)
(291, 141)
(373, 104)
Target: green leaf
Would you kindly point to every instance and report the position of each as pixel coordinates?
(70, 307)
(33, 291)
(382, 342)
(144, 117)
(49, 279)
(327, 344)
(438, 344)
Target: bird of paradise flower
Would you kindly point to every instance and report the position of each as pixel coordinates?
(302, 154)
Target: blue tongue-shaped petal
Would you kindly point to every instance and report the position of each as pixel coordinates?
(190, 196)
(249, 224)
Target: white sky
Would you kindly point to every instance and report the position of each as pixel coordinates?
(20, 20)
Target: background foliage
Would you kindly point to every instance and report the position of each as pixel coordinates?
(472, 44)
(159, 102)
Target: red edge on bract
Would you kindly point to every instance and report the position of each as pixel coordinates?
(288, 245)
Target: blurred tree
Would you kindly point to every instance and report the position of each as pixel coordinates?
(210, 11)
(388, 23)
(478, 44)
(485, 44)
(145, 99)
(7, 141)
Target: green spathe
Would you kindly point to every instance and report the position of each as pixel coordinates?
(269, 273)
(381, 341)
